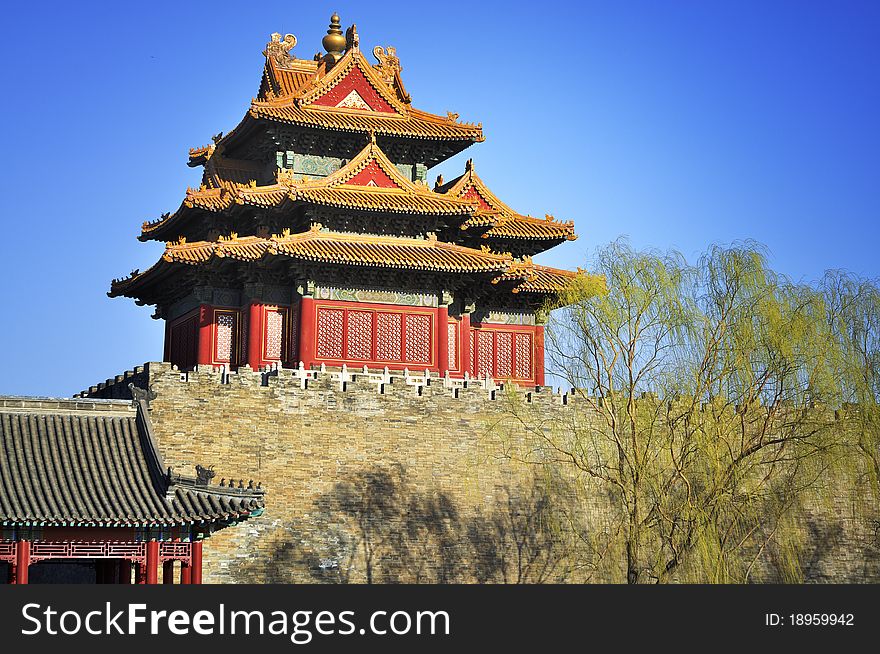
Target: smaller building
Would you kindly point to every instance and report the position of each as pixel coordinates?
(83, 482)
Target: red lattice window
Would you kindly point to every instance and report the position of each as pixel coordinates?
(360, 335)
(485, 353)
(418, 338)
(184, 343)
(389, 336)
(330, 333)
(524, 356)
(452, 345)
(473, 351)
(274, 334)
(503, 354)
(225, 338)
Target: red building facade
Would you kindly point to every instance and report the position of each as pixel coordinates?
(315, 239)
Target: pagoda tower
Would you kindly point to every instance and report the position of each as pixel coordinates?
(315, 239)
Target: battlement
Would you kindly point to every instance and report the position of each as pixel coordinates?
(351, 381)
(367, 383)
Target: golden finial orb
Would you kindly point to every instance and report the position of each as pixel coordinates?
(334, 42)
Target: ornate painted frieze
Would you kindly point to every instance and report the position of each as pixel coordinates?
(406, 170)
(224, 297)
(505, 318)
(307, 164)
(267, 293)
(416, 173)
(181, 308)
(379, 297)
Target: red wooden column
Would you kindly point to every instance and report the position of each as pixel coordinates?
(185, 573)
(125, 571)
(464, 344)
(168, 572)
(539, 355)
(255, 335)
(167, 350)
(442, 336)
(186, 568)
(22, 561)
(307, 332)
(152, 573)
(196, 576)
(205, 355)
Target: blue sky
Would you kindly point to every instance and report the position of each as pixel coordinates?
(678, 124)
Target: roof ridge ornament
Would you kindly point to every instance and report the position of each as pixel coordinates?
(334, 42)
(204, 475)
(279, 50)
(139, 395)
(389, 64)
(469, 166)
(352, 40)
(284, 176)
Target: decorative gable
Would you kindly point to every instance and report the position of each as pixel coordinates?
(354, 101)
(373, 175)
(354, 87)
(474, 195)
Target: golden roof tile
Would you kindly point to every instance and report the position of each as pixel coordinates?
(289, 95)
(504, 221)
(537, 279)
(426, 254)
(335, 190)
(416, 124)
(281, 81)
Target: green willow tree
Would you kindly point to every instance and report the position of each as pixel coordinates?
(702, 409)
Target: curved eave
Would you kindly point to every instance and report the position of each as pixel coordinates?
(385, 125)
(320, 247)
(529, 232)
(530, 278)
(390, 201)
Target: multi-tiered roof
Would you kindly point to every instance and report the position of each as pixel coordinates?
(327, 168)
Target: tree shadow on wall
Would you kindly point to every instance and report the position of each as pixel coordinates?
(377, 526)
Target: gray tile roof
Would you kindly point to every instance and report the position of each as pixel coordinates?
(95, 462)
